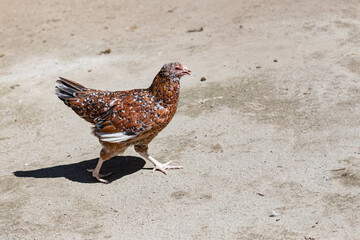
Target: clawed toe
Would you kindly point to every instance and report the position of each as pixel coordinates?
(163, 167)
(99, 176)
(102, 180)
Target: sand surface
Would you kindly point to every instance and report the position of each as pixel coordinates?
(275, 126)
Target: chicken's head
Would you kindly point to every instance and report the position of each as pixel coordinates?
(175, 69)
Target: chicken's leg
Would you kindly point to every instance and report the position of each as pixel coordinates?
(96, 170)
(162, 167)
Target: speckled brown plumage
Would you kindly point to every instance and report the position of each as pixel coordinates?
(125, 118)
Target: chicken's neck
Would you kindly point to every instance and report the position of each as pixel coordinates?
(166, 89)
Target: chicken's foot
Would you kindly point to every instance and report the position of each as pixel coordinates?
(96, 170)
(162, 167)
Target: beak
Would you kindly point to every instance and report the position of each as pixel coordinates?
(186, 71)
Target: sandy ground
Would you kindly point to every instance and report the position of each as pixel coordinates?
(275, 124)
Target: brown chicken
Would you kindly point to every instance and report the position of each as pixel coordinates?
(125, 118)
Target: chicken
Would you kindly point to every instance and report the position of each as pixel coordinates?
(125, 118)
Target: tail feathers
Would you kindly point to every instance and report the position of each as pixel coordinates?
(72, 84)
(66, 89)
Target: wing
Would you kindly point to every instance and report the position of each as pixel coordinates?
(128, 117)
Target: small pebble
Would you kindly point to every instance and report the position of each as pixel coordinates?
(275, 60)
(107, 51)
(14, 86)
(195, 30)
(277, 212)
(203, 79)
(258, 66)
(309, 238)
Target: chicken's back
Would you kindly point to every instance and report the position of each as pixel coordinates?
(88, 103)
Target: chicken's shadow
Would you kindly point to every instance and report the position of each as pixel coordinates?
(120, 166)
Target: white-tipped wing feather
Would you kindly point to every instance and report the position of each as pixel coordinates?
(114, 137)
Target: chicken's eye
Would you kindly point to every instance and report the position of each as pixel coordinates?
(177, 68)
